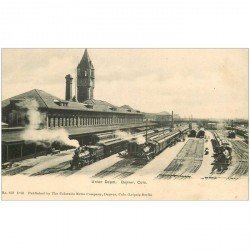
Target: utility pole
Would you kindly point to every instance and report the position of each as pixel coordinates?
(146, 130)
(172, 123)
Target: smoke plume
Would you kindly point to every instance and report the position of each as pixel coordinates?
(140, 139)
(43, 137)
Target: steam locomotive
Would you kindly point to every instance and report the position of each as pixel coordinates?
(148, 150)
(201, 133)
(231, 134)
(87, 155)
(223, 149)
(192, 133)
(106, 144)
(239, 131)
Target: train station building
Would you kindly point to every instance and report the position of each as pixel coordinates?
(81, 115)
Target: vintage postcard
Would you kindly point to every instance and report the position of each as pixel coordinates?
(124, 124)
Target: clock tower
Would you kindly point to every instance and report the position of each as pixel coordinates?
(85, 78)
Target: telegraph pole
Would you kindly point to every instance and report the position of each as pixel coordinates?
(146, 130)
(172, 123)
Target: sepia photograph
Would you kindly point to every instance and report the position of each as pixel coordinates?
(124, 124)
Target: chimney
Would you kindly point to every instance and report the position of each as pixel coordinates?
(68, 93)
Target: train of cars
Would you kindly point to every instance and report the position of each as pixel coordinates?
(199, 134)
(105, 144)
(223, 149)
(109, 144)
(91, 153)
(148, 150)
(239, 131)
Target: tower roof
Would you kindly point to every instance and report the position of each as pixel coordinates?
(85, 61)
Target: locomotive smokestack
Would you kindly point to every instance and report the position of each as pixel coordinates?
(68, 93)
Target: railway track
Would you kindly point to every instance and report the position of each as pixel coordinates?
(187, 162)
(120, 170)
(241, 163)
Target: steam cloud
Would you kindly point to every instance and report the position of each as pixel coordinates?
(140, 139)
(43, 137)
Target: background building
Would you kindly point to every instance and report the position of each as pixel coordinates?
(80, 115)
(78, 111)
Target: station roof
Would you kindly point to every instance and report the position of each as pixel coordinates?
(74, 131)
(16, 136)
(48, 101)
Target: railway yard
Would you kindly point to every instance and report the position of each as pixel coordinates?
(176, 156)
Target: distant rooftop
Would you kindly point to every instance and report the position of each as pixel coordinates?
(163, 113)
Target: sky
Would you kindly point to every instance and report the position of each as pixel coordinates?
(204, 83)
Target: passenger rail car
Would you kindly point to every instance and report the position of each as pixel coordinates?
(113, 146)
(154, 145)
(86, 155)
